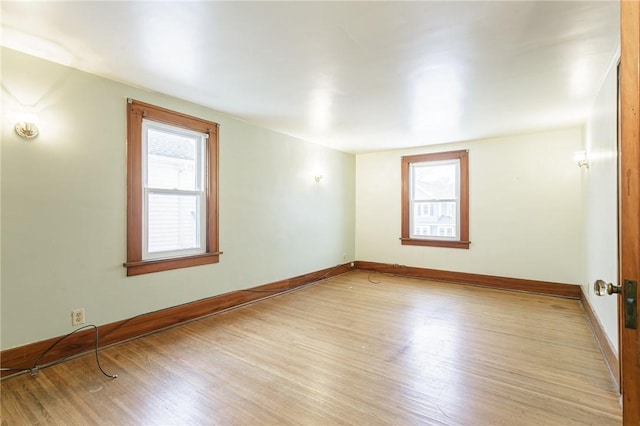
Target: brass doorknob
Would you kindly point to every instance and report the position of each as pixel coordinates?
(601, 288)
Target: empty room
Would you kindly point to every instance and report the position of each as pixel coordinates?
(320, 213)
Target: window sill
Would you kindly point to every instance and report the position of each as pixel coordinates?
(157, 265)
(435, 243)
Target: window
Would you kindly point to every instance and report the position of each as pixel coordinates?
(172, 189)
(435, 198)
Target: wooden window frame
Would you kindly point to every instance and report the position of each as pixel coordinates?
(136, 112)
(406, 239)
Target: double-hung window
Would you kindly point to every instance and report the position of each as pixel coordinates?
(174, 198)
(435, 199)
(172, 217)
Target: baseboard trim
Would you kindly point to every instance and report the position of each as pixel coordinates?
(571, 291)
(24, 357)
(609, 353)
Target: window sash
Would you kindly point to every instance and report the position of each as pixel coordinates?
(413, 226)
(177, 131)
(200, 226)
(417, 227)
(199, 192)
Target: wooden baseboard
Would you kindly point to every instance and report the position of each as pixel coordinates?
(25, 357)
(609, 353)
(571, 291)
(119, 331)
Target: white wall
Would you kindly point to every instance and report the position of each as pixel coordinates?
(525, 209)
(600, 204)
(64, 206)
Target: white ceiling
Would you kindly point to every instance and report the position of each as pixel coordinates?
(356, 76)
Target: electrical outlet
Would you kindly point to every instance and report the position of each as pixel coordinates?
(77, 316)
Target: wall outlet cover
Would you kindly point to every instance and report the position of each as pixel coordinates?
(77, 316)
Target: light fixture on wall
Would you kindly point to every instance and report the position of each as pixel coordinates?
(318, 178)
(581, 158)
(27, 127)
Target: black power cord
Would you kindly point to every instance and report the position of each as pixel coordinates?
(36, 367)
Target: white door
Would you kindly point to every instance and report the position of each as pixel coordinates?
(600, 184)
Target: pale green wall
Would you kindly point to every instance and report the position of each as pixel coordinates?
(64, 204)
(525, 209)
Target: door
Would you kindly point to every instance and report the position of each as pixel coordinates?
(629, 206)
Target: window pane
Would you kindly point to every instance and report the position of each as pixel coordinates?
(173, 222)
(172, 160)
(436, 219)
(435, 181)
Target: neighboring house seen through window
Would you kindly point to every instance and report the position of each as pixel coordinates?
(435, 199)
(174, 201)
(172, 190)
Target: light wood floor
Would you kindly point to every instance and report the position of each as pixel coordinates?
(345, 351)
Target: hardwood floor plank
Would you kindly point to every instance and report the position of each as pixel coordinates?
(345, 351)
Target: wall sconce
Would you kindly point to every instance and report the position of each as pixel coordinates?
(581, 158)
(27, 128)
(318, 178)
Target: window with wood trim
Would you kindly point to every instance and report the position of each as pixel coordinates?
(435, 199)
(172, 190)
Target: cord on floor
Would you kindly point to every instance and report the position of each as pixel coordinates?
(37, 367)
